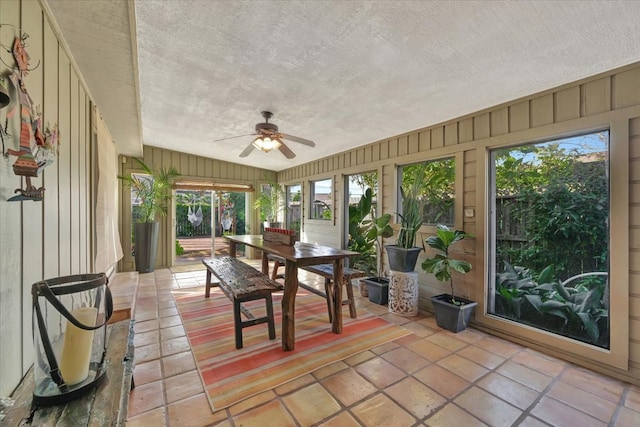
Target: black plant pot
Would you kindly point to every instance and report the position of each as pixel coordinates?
(378, 289)
(146, 238)
(401, 259)
(452, 317)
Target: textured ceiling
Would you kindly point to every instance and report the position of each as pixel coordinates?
(342, 73)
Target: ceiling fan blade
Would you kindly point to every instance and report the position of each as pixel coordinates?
(286, 151)
(298, 140)
(247, 150)
(232, 137)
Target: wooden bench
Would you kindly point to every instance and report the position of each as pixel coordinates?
(241, 283)
(326, 271)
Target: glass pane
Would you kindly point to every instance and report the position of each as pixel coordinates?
(438, 196)
(550, 236)
(321, 199)
(294, 207)
(362, 208)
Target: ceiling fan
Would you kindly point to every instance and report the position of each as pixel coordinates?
(268, 138)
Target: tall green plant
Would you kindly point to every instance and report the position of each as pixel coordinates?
(269, 203)
(154, 192)
(366, 234)
(442, 265)
(411, 217)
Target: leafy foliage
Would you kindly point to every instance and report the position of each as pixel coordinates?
(366, 234)
(269, 203)
(436, 196)
(411, 217)
(442, 264)
(179, 248)
(561, 206)
(580, 311)
(153, 191)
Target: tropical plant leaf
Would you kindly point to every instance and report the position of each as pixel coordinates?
(546, 276)
(590, 326)
(460, 266)
(559, 287)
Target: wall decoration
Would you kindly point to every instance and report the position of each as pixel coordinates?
(37, 148)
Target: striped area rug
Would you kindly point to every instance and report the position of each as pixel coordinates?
(231, 375)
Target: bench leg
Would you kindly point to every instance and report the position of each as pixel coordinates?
(271, 323)
(352, 302)
(274, 273)
(207, 291)
(237, 320)
(329, 297)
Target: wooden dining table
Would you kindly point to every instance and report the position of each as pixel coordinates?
(299, 255)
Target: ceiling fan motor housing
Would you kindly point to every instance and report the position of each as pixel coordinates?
(266, 128)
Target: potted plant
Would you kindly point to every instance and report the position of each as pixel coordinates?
(269, 204)
(366, 235)
(153, 193)
(403, 256)
(452, 313)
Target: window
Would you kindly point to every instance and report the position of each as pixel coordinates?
(321, 199)
(550, 236)
(363, 207)
(294, 207)
(438, 194)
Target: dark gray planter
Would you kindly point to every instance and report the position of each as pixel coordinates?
(378, 289)
(401, 259)
(146, 240)
(451, 317)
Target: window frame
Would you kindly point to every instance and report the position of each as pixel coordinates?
(313, 201)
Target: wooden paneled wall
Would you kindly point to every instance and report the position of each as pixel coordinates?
(609, 100)
(49, 238)
(191, 167)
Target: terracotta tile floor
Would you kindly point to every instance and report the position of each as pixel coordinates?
(429, 378)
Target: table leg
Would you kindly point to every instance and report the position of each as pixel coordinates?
(232, 248)
(289, 305)
(336, 322)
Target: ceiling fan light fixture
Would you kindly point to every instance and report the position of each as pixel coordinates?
(266, 143)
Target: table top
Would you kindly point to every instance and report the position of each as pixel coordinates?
(300, 253)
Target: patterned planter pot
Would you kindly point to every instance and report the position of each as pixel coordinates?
(403, 293)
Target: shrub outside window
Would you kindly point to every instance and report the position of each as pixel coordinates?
(438, 198)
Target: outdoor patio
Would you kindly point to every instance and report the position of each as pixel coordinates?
(198, 248)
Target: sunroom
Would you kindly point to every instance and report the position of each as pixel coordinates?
(527, 116)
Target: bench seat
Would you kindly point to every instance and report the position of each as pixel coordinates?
(241, 283)
(326, 271)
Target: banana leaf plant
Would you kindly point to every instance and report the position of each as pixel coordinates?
(366, 234)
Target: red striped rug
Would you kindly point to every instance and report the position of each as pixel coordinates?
(231, 375)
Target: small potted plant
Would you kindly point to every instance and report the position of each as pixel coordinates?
(452, 313)
(153, 192)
